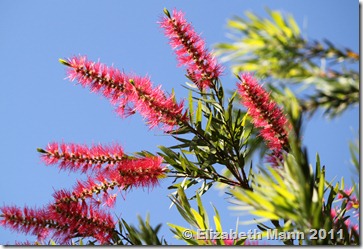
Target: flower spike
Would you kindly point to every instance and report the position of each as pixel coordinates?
(61, 222)
(266, 115)
(26, 220)
(80, 157)
(154, 105)
(136, 172)
(100, 78)
(82, 221)
(202, 67)
(130, 93)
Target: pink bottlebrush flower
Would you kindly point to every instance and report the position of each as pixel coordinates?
(135, 172)
(100, 78)
(265, 114)
(68, 217)
(154, 105)
(87, 190)
(129, 93)
(80, 157)
(26, 220)
(202, 67)
(142, 172)
(37, 222)
(83, 221)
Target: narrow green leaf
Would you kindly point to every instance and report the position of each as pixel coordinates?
(185, 213)
(265, 214)
(217, 220)
(64, 62)
(209, 122)
(277, 17)
(321, 184)
(179, 232)
(183, 199)
(294, 27)
(317, 166)
(202, 211)
(198, 218)
(199, 112)
(191, 112)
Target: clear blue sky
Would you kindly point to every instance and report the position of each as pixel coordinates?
(38, 106)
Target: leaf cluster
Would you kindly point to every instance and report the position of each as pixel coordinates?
(296, 198)
(199, 221)
(215, 138)
(275, 48)
(144, 234)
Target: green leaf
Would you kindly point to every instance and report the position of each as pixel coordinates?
(294, 27)
(181, 130)
(179, 232)
(64, 62)
(277, 17)
(217, 220)
(207, 128)
(202, 211)
(265, 214)
(199, 113)
(191, 112)
(198, 218)
(183, 199)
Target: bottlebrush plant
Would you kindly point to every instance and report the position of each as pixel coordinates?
(214, 142)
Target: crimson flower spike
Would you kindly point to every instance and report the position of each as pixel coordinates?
(80, 157)
(136, 172)
(154, 105)
(265, 114)
(27, 220)
(82, 221)
(202, 67)
(130, 92)
(59, 222)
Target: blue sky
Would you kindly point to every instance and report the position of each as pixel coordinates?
(38, 106)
